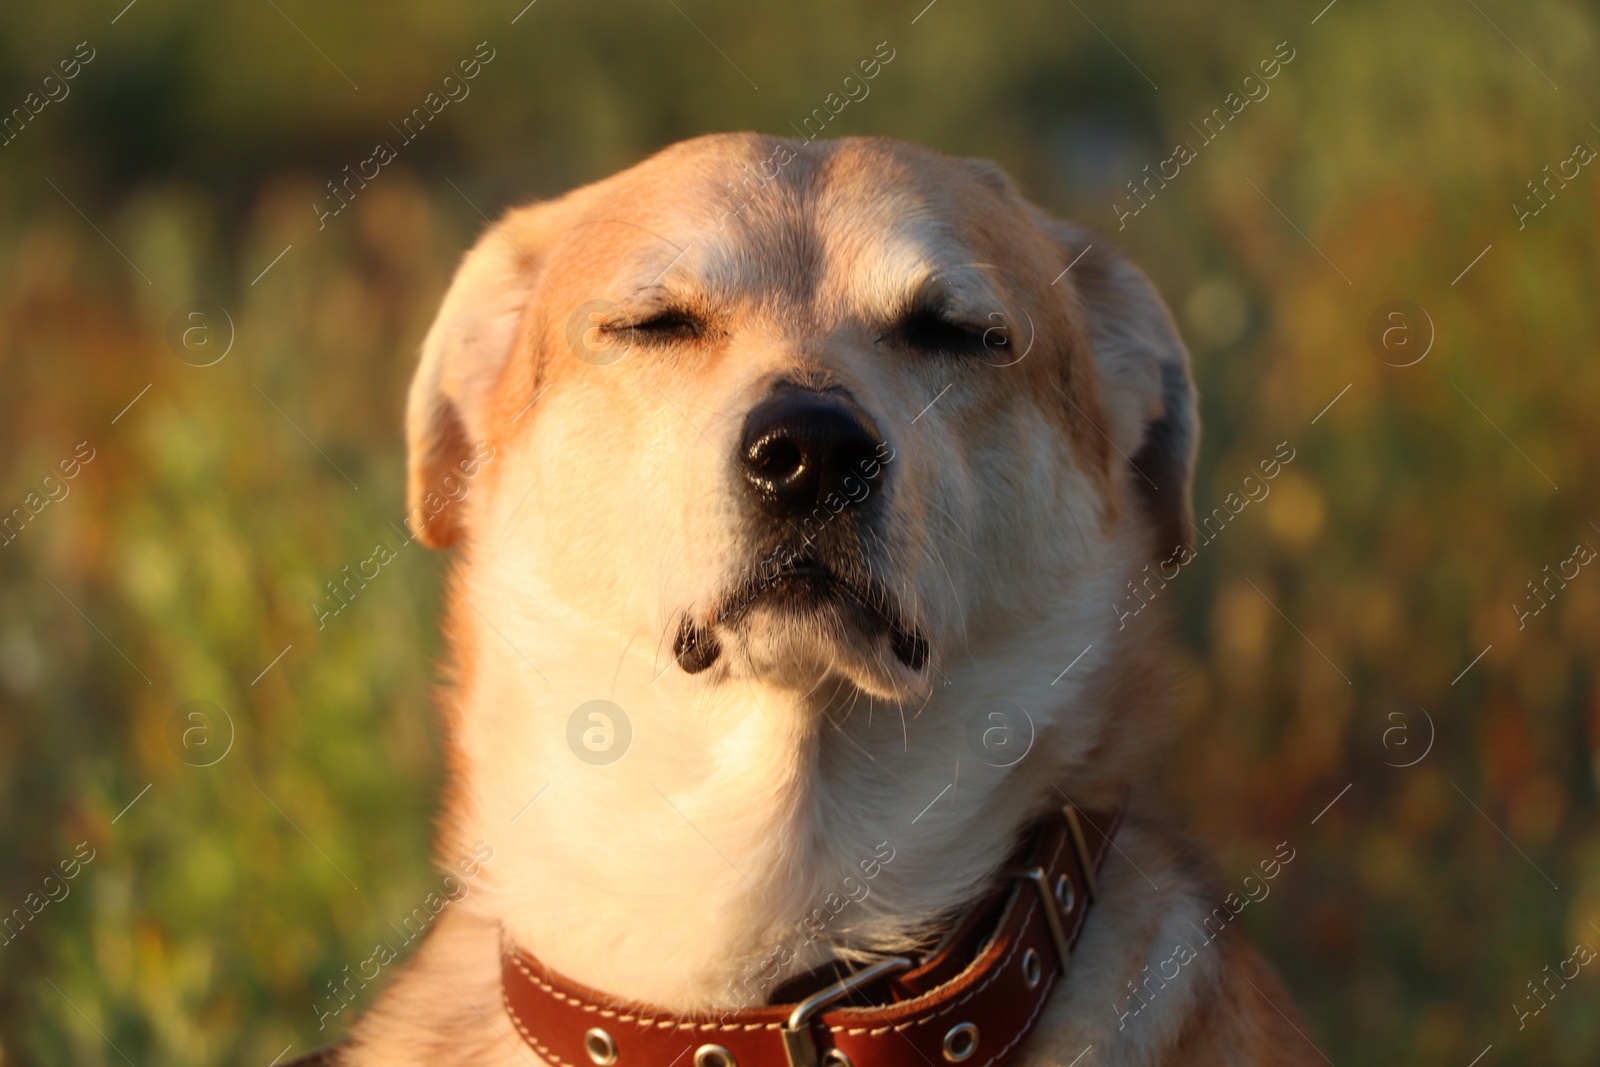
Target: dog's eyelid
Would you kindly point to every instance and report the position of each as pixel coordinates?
(667, 317)
(940, 329)
(663, 323)
(653, 315)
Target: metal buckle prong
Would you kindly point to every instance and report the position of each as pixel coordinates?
(1080, 844)
(798, 1043)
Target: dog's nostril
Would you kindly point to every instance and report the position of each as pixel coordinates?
(776, 457)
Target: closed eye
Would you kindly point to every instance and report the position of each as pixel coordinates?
(668, 326)
(931, 331)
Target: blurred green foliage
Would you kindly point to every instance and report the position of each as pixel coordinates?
(187, 155)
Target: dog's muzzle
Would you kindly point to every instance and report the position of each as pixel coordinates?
(813, 470)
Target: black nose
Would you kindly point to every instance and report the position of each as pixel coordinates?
(800, 446)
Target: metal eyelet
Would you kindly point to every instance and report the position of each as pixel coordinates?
(1066, 896)
(600, 1046)
(714, 1056)
(960, 1042)
(836, 1058)
(1031, 970)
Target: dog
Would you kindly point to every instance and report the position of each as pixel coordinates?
(785, 477)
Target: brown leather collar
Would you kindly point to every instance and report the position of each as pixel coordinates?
(972, 1001)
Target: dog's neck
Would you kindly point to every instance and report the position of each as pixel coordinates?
(749, 832)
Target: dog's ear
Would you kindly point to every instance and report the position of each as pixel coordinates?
(1145, 386)
(463, 357)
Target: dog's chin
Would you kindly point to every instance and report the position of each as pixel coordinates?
(808, 625)
(802, 650)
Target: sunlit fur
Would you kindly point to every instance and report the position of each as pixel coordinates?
(1012, 518)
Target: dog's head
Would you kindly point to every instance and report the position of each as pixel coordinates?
(794, 411)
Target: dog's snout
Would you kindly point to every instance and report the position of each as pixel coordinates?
(800, 446)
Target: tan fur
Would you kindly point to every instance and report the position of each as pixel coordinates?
(1023, 495)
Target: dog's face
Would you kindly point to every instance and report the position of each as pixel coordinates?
(742, 440)
(791, 412)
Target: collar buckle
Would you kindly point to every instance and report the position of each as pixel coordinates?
(799, 1044)
(1060, 899)
(1052, 912)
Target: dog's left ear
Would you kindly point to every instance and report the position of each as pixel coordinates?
(463, 357)
(1145, 386)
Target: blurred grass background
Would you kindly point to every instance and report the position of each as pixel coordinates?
(187, 552)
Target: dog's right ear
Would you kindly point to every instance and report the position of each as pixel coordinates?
(463, 357)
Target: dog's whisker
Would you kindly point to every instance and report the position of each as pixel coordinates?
(965, 541)
(859, 748)
(822, 676)
(621, 660)
(855, 698)
(955, 597)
